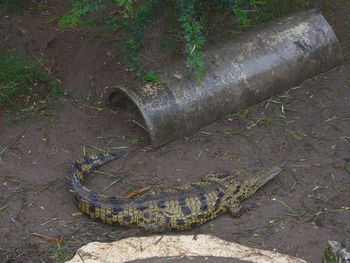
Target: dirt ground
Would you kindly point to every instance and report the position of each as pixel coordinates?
(297, 213)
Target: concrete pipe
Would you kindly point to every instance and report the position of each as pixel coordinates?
(240, 72)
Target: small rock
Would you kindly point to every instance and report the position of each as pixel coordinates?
(337, 252)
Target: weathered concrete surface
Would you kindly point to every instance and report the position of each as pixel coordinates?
(240, 72)
(176, 246)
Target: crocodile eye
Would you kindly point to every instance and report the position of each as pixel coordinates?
(221, 174)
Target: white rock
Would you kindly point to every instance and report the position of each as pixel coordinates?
(137, 248)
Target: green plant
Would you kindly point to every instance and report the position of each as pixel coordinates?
(81, 8)
(13, 5)
(192, 31)
(136, 26)
(150, 76)
(23, 82)
(194, 17)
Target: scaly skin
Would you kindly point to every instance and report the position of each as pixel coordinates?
(161, 209)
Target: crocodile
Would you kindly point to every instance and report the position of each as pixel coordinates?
(162, 209)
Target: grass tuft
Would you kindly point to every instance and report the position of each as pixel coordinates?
(25, 86)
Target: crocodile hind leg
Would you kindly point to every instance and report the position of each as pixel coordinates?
(237, 210)
(154, 222)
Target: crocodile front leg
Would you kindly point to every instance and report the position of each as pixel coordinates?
(237, 209)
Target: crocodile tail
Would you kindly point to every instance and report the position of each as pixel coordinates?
(86, 165)
(86, 199)
(89, 163)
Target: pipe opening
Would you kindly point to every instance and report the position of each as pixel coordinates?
(120, 102)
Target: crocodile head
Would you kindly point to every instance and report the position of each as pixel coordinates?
(245, 183)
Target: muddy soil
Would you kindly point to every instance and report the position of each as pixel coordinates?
(296, 213)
